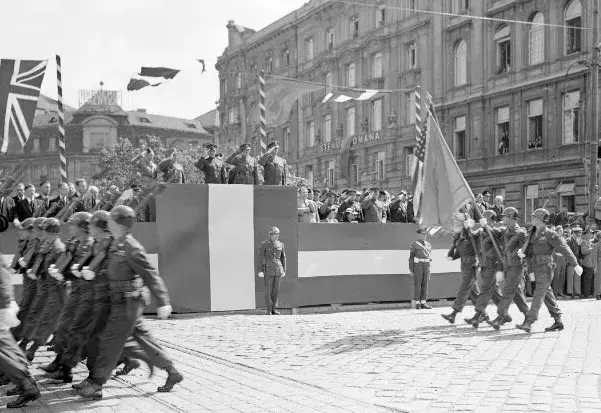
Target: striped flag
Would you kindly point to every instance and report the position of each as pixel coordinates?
(345, 97)
(420, 150)
(61, 121)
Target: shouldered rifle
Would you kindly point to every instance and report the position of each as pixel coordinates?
(63, 263)
(20, 251)
(32, 246)
(98, 256)
(39, 259)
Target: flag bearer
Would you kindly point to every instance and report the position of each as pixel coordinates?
(420, 257)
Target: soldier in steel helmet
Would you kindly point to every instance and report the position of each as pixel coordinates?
(246, 171)
(420, 257)
(271, 265)
(79, 245)
(273, 165)
(48, 319)
(539, 247)
(128, 271)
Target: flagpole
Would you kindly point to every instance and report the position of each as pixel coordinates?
(262, 127)
(61, 121)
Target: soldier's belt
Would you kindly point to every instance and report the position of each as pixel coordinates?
(542, 259)
(422, 260)
(468, 259)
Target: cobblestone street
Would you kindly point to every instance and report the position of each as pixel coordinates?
(367, 361)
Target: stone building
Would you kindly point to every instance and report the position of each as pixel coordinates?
(512, 99)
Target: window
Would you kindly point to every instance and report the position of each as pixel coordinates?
(309, 49)
(503, 44)
(223, 86)
(535, 124)
(459, 6)
(36, 145)
(330, 39)
(329, 81)
(350, 122)
(531, 201)
(537, 39)
(410, 108)
(460, 137)
(286, 58)
(573, 19)
(350, 75)
(461, 63)
(354, 175)
(309, 174)
(190, 125)
(233, 115)
(571, 111)
(354, 27)
(310, 134)
(269, 64)
(381, 17)
(144, 120)
(376, 115)
(238, 80)
(502, 130)
(380, 172)
(287, 139)
(412, 56)
(376, 66)
(495, 192)
(53, 174)
(52, 145)
(331, 172)
(567, 196)
(409, 161)
(327, 128)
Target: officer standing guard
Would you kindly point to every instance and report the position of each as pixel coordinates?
(245, 171)
(212, 167)
(274, 166)
(420, 257)
(539, 247)
(271, 264)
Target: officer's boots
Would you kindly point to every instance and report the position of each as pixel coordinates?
(91, 391)
(479, 318)
(450, 317)
(526, 326)
(425, 306)
(128, 365)
(30, 353)
(62, 374)
(557, 326)
(28, 392)
(173, 378)
(82, 384)
(52, 367)
(471, 320)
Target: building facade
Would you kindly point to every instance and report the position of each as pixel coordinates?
(96, 125)
(512, 99)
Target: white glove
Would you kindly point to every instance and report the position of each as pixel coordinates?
(521, 253)
(578, 270)
(8, 317)
(54, 272)
(261, 274)
(531, 276)
(31, 275)
(75, 271)
(500, 275)
(164, 312)
(283, 275)
(449, 258)
(483, 222)
(86, 274)
(22, 262)
(468, 223)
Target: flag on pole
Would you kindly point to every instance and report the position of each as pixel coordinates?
(443, 188)
(20, 84)
(137, 83)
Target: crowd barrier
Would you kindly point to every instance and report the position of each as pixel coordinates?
(206, 239)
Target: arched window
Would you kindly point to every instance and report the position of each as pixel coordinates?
(503, 45)
(461, 63)
(537, 39)
(573, 19)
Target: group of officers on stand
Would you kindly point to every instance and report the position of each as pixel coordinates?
(89, 294)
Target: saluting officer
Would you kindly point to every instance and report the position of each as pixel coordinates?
(420, 257)
(212, 167)
(274, 166)
(245, 171)
(539, 247)
(271, 264)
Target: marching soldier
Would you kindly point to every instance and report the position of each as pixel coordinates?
(13, 363)
(246, 171)
(420, 257)
(539, 247)
(128, 271)
(212, 167)
(271, 264)
(274, 166)
(26, 240)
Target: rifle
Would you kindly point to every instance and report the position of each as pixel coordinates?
(20, 250)
(39, 259)
(527, 243)
(32, 246)
(64, 261)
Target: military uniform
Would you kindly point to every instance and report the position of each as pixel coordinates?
(29, 286)
(213, 169)
(420, 257)
(274, 167)
(246, 171)
(271, 261)
(172, 171)
(41, 293)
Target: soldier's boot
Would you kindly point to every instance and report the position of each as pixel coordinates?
(480, 318)
(4, 380)
(62, 374)
(557, 326)
(29, 392)
(471, 319)
(30, 353)
(450, 317)
(425, 306)
(507, 319)
(526, 326)
(173, 378)
(496, 323)
(275, 312)
(82, 384)
(128, 365)
(14, 391)
(91, 391)
(52, 367)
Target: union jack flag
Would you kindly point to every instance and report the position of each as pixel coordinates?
(20, 84)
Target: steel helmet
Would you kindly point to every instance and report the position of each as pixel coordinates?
(38, 222)
(100, 219)
(274, 230)
(124, 215)
(541, 214)
(511, 212)
(28, 223)
(52, 226)
(490, 214)
(81, 220)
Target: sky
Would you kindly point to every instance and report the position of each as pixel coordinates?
(109, 40)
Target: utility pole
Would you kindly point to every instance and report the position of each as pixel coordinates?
(594, 136)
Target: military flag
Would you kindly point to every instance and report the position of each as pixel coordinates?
(20, 85)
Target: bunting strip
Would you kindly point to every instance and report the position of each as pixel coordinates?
(262, 117)
(341, 97)
(61, 121)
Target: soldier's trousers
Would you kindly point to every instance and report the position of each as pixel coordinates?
(63, 333)
(142, 346)
(468, 288)
(12, 359)
(559, 279)
(101, 312)
(489, 284)
(587, 281)
(37, 307)
(421, 276)
(513, 291)
(29, 293)
(272, 289)
(543, 293)
(48, 320)
(573, 281)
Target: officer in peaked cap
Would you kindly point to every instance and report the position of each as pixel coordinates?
(212, 167)
(539, 247)
(271, 265)
(245, 170)
(274, 166)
